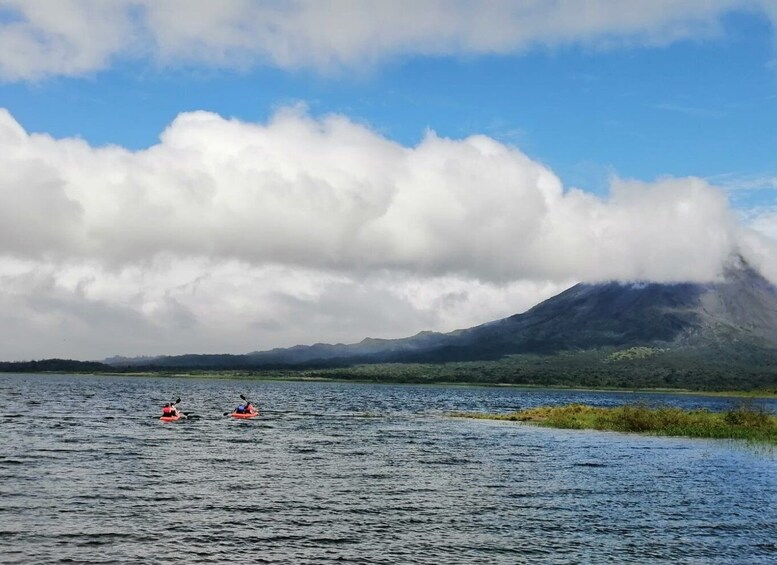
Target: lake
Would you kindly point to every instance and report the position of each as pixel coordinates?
(357, 473)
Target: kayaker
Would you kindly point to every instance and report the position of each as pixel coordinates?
(169, 410)
(246, 408)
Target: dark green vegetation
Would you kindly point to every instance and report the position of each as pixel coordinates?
(54, 365)
(744, 422)
(632, 368)
(606, 368)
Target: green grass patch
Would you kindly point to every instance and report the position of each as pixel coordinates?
(746, 421)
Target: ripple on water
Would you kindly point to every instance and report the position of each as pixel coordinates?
(382, 477)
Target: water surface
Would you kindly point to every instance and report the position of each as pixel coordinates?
(352, 473)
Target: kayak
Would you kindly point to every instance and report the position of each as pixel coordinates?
(244, 415)
(171, 418)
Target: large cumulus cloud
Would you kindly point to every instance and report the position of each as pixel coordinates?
(229, 236)
(331, 194)
(40, 38)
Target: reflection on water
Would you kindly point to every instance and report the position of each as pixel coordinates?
(360, 474)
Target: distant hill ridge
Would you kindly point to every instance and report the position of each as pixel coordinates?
(738, 311)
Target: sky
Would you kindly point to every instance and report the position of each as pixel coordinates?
(225, 177)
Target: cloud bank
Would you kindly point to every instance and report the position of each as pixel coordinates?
(333, 195)
(229, 236)
(39, 38)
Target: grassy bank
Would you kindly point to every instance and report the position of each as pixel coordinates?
(744, 422)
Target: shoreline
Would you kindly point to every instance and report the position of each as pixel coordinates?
(754, 394)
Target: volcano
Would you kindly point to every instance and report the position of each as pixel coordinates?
(739, 311)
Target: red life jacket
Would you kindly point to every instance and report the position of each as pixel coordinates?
(167, 411)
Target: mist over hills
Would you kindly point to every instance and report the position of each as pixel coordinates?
(723, 318)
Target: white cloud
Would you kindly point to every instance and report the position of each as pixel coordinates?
(333, 195)
(39, 38)
(230, 236)
(171, 305)
(764, 221)
(734, 183)
(68, 37)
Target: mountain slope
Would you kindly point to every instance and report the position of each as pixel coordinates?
(740, 308)
(738, 311)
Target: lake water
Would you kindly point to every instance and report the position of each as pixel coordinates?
(350, 473)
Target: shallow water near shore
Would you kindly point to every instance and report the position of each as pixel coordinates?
(355, 473)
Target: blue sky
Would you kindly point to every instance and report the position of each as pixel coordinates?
(233, 177)
(702, 107)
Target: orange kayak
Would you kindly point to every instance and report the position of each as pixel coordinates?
(252, 414)
(171, 418)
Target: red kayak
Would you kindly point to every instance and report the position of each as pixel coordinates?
(171, 418)
(244, 415)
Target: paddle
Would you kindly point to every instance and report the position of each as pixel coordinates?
(246, 401)
(249, 403)
(184, 414)
(232, 412)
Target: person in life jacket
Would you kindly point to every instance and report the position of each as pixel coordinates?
(169, 410)
(246, 408)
